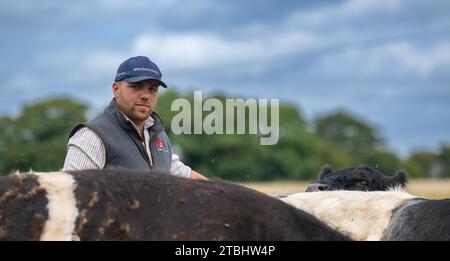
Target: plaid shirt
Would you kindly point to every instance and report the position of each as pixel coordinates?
(85, 150)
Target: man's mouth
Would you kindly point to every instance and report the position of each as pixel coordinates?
(143, 105)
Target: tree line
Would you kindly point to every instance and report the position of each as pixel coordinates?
(37, 139)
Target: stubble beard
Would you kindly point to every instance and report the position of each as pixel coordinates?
(138, 115)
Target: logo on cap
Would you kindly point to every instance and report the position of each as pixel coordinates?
(145, 69)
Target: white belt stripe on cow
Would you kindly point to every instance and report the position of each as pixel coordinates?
(62, 210)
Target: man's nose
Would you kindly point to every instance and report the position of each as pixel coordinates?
(146, 94)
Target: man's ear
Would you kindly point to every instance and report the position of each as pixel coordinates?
(115, 89)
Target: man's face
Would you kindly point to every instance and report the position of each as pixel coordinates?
(136, 100)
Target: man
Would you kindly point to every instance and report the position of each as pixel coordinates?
(129, 134)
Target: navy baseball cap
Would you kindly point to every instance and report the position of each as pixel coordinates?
(139, 68)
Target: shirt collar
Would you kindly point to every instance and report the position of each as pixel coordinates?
(149, 122)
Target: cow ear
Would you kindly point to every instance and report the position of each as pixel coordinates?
(400, 178)
(325, 171)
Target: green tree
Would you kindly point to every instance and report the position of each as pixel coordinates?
(236, 157)
(383, 160)
(359, 139)
(299, 153)
(37, 138)
(350, 133)
(444, 161)
(421, 164)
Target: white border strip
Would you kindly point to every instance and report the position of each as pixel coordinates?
(62, 209)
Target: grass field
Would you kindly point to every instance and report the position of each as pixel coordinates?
(427, 188)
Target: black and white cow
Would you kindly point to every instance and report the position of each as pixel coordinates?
(373, 215)
(125, 205)
(378, 215)
(362, 178)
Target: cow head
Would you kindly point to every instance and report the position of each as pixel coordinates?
(361, 178)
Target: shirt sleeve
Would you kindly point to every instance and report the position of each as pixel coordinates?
(177, 168)
(85, 150)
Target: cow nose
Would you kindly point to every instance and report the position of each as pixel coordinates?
(316, 187)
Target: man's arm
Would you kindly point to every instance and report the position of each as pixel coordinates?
(85, 150)
(177, 168)
(196, 175)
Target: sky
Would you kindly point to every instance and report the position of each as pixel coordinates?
(385, 61)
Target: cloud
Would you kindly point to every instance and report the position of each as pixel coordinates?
(189, 52)
(398, 58)
(23, 84)
(340, 51)
(185, 51)
(80, 10)
(103, 63)
(345, 11)
(358, 7)
(37, 9)
(120, 6)
(423, 62)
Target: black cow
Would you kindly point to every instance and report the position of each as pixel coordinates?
(420, 220)
(362, 178)
(126, 205)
